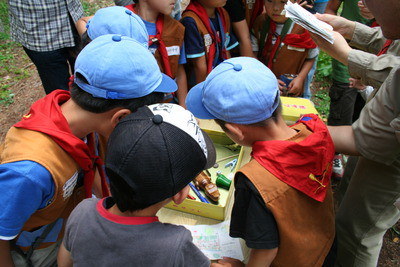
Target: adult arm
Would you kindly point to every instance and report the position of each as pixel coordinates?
(5, 255)
(123, 2)
(181, 80)
(242, 33)
(237, 12)
(343, 138)
(371, 69)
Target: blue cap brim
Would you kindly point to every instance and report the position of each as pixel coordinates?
(167, 85)
(194, 103)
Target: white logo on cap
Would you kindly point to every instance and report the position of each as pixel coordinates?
(183, 119)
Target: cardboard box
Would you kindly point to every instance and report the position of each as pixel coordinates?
(292, 110)
(225, 154)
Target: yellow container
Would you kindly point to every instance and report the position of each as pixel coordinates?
(227, 151)
(293, 108)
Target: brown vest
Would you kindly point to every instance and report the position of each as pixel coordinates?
(172, 35)
(306, 227)
(288, 60)
(203, 30)
(21, 144)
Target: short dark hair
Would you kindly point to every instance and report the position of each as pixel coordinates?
(122, 194)
(99, 105)
(274, 117)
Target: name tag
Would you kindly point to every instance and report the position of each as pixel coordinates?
(69, 186)
(173, 50)
(289, 47)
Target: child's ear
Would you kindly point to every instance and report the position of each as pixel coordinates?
(235, 130)
(117, 116)
(181, 195)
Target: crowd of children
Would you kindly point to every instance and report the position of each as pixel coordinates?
(137, 62)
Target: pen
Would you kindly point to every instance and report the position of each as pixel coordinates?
(203, 199)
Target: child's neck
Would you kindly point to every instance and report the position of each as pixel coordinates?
(275, 131)
(147, 212)
(210, 11)
(146, 13)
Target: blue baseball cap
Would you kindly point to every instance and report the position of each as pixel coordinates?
(239, 90)
(119, 67)
(117, 20)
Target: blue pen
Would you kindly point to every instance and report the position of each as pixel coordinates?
(203, 199)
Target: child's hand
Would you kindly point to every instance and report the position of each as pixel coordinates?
(296, 86)
(226, 261)
(282, 87)
(305, 3)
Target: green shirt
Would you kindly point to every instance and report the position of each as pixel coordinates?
(350, 11)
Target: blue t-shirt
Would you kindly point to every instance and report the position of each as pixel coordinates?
(195, 43)
(26, 187)
(152, 30)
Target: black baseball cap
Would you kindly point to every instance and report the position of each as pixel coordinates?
(158, 150)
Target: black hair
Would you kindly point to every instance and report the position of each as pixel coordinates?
(264, 123)
(122, 194)
(99, 105)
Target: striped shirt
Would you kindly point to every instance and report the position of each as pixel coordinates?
(44, 25)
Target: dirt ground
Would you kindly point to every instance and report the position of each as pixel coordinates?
(28, 90)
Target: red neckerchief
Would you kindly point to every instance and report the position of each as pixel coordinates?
(305, 165)
(200, 11)
(45, 116)
(302, 40)
(385, 47)
(158, 40)
(258, 8)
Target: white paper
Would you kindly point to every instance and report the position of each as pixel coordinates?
(308, 21)
(214, 241)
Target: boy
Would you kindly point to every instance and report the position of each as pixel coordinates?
(165, 41)
(284, 47)
(283, 205)
(208, 37)
(46, 165)
(152, 156)
(112, 20)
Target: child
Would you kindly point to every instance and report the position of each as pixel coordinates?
(165, 41)
(112, 20)
(284, 47)
(208, 37)
(152, 156)
(45, 180)
(283, 205)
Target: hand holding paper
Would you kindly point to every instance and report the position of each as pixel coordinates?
(308, 21)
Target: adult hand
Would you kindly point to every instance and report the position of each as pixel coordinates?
(344, 26)
(226, 261)
(339, 50)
